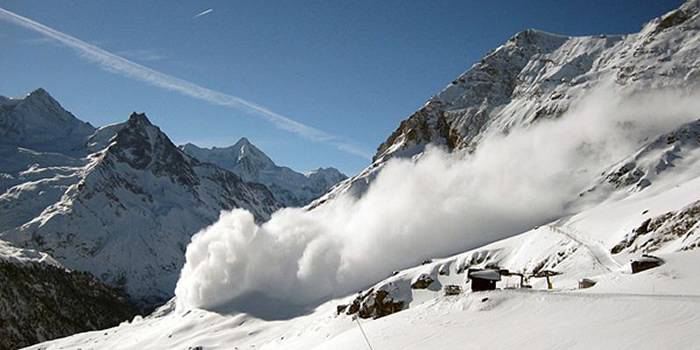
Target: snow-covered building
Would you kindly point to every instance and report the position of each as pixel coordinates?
(483, 279)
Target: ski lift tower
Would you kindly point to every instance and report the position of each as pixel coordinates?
(546, 274)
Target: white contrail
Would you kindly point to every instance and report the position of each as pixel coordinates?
(205, 12)
(117, 64)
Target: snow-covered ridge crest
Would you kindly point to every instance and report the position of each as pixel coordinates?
(21, 256)
(537, 76)
(289, 187)
(39, 122)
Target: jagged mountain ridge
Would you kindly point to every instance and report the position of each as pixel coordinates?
(133, 209)
(536, 76)
(121, 201)
(251, 164)
(40, 123)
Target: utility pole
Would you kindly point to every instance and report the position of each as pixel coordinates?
(357, 319)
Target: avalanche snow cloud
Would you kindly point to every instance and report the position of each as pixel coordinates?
(436, 205)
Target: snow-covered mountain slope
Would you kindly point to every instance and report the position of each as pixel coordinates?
(534, 77)
(128, 214)
(251, 164)
(539, 76)
(652, 309)
(40, 123)
(675, 151)
(41, 300)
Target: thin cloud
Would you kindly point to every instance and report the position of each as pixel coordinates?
(148, 55)
(120, 65)
(203, 13)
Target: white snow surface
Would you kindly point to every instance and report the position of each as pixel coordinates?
(657, 308)
(21, 256)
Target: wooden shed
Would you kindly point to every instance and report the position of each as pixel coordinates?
(483, 279)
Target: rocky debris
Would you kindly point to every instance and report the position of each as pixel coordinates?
(423, 281)
(673, 18)
(662, 154)
(40, 302)
(341, 308)
(452, 289)
(626, 175)
(662, 230)
(375, 303)
(586, 283)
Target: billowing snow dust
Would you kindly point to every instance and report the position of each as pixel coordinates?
(433, 206)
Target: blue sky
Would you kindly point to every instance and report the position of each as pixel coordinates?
(351, 70)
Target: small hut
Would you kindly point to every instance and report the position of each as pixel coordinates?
(645, 262)
(483, 279)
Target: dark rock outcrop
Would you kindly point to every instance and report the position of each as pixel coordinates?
(39, 302)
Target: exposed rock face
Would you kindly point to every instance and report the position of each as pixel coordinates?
(671, 231)
(422, 282)
(247, 161)
(652, 161)
(373, 304)
(40, 300)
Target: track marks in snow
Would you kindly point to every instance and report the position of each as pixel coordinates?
(596, 249)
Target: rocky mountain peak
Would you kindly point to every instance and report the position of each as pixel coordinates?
(289, 187)
(144, 146)
(40, 94)
(39, 122)
(328, 173)
(246, 150)
(42, 102)
(537, 38)
(676, 17)
(139, 119)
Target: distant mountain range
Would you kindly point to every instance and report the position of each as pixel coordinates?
(122, 201)
(288, 186)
